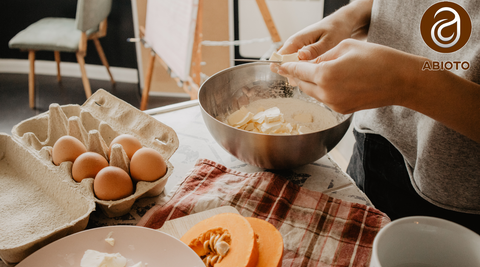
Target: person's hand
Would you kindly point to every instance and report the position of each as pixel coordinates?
(317, 38)
(350, 21)
(356, 75)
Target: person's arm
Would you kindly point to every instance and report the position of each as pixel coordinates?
(359, 75)
(350, 21)
(447, 98)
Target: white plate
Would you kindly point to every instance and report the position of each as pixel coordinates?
(133, 242)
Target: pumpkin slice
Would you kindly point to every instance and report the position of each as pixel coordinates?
(270, 243)
(226, 239)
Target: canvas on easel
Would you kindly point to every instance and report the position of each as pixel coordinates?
(173, 30)
(170, 31)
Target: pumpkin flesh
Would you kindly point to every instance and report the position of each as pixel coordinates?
(270, 243)
(243, 248)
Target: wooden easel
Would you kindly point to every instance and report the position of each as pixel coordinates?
(192, 84)
(267, 17)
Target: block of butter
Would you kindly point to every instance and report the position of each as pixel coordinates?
(240, 117)
(93, 258)
(284, 58)
(270, 121)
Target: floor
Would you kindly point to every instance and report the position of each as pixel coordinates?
(14, 96)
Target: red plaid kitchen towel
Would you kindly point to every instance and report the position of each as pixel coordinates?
(318, 230)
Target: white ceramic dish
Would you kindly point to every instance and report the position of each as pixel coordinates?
(421, 241)
(135, 243)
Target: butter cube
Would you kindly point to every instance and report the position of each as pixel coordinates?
(304, 130)
(284, 58)
(271, 127)
(110, 241)
(286, 128)
(93, 258)
(290, 58)
(240, 117)
(273, 115)
(259, 117)
(249, 126)
(276, 57)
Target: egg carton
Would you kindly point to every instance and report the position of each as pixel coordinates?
(39, 201)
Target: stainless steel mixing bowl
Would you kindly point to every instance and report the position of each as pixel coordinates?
(232, 88)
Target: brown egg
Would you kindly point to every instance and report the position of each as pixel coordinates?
(87, 165)
(67, 148)
(112, 183)
(147, 164)
(129, 143)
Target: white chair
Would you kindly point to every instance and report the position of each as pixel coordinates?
(66, 35)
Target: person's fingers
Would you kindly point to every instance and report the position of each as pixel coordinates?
(292, 81)
(308, 88)
(333, 53)
(309, 71)
(290, 46)
(305, 54)
(314, 50)
(305, 38)
(274, 67)
(304, 71)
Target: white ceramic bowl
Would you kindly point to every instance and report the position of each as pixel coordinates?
(133, 242)
(425, 242)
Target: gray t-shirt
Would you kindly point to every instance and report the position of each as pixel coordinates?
(444, 165)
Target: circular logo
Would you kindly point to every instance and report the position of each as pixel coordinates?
(445, 27)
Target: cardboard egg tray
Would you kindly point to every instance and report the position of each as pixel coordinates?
(39, 201)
